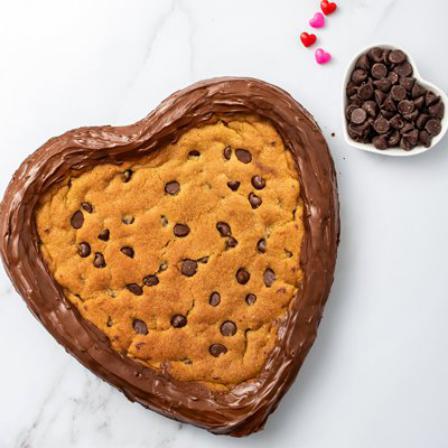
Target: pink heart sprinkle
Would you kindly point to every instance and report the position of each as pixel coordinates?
(322, 57)
(318, 20)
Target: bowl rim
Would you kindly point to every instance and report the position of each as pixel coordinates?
(393, 152)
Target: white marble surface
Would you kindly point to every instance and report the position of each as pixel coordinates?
(378, 374)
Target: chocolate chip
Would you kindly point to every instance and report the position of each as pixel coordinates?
(393, 78)
(407, 83)
(404, 69)
(84, 249)
(363, 63)
(397, 57)
(376, 54)
(359, 76)
(389, 105)
(181, 230)
(394, 139)
(214, 299)
(418, 90)
(128, 251)
(409, 140)
(87, 206)
(194, 154)
(127, 219)
(433, 127)
(135, 289)
(261, 245)
(223, 228)
(258, 182)
(233, 185)
(189, 267)
(231, 243)
(380, 142)
(379, 71)
(227, 152)
(228, 328)
(397, 122)
(431, 98)
(269, 277)
(365, 92)
(398, 93)
(77, 219)
(352, 89)
(139, 326)
(151, 280)
(251, 299)
(217, 350)
(356, 100)
(358, 116)
(421, 120)
(381, 125)
(255, 201)
(172, 187)
(178, 321)
(425, 138)
(383, 84)
(243, 155)
(419, 102)
(379, 97)
(408, 127)
(126, 175)
(349, 109)
(437, 110)
(387, 114)
(371, 108)
(411, 116)
(242, 276)
(99, 261)
(406, 106)
(104, 235)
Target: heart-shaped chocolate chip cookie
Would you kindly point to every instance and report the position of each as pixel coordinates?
(185, 259)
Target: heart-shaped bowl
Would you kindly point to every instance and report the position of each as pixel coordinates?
(394, 152)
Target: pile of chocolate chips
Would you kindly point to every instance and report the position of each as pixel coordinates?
(387, 106)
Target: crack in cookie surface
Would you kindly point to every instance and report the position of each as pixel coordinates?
(186, 258)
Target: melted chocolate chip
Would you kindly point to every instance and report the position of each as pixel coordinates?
(228, 328)
(233, 185)
(251, 299)
(127, 219)
(227, 152)
(84, 249)
(223, 228)
(104, 235)
(172, 187)
(151, 280)
(135, 289)
(243, 155)
(194, 154)
(181, 230)
(242, 276)
(214, 299)
(77, 219)
(189, 267)
(126, 176)
(231, 242)
(178, 321)
(87, 206)
(261, 246)
(139, 326)
(128, 251)
(269, 277)
(217, 350)
(258, 182)
(99, 261)
(255, 201)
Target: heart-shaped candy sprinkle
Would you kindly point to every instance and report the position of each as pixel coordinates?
(318, 20)
(328, 7)
(308, 39)
(322, 57)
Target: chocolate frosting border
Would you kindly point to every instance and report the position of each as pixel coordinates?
(245, 408)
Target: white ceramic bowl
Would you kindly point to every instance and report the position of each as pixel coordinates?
(398, 152)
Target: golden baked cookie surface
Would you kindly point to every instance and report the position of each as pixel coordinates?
(187, 258)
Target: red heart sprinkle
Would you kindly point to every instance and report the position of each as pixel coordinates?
(308, 39)
(328, 7)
